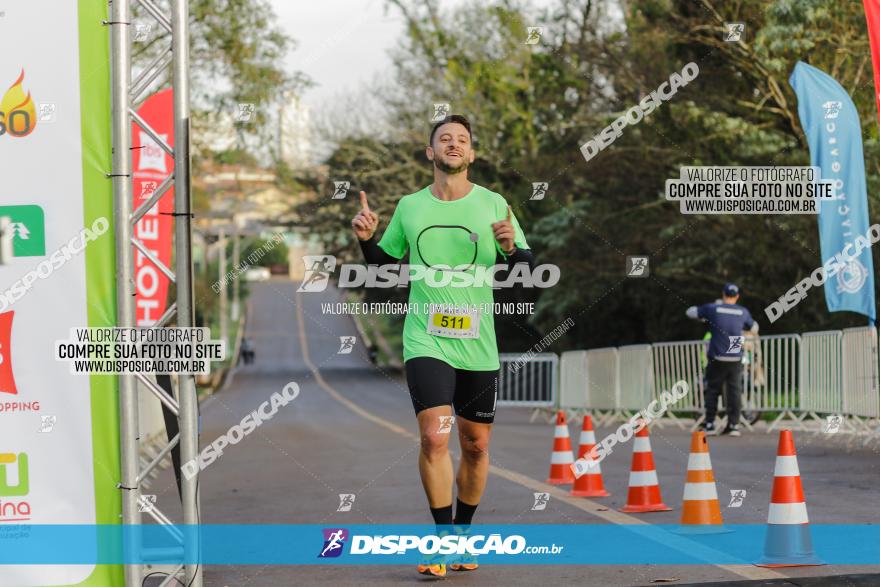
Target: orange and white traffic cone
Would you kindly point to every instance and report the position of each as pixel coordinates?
(644, 488)
(562, 459)
(590, 483)
(700, 510)
(788, 542)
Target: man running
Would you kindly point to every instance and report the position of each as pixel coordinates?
(450, 350)
(727, 321)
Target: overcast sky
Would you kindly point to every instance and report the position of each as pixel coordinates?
(340, 43)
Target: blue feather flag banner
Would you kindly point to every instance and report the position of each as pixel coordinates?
(834, 134)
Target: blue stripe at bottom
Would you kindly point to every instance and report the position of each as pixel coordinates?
(587, 544)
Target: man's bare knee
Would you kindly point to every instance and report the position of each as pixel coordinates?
(434, 445)
(474, 449)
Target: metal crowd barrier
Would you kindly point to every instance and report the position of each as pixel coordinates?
(602, 379)
(677, 361)
(770, 377)
(860, 387)
(795, 376)
(635, 371)
(821, 372)
(531, 382)
(573, 374)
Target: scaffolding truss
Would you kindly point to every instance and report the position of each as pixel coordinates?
(182, 405)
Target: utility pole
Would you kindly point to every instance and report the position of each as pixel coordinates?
(236, 254)
(224, 296)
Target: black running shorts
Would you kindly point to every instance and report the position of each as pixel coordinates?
(433, 383)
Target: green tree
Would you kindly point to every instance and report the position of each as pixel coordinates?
(533, 106)
(266, 252)
(237, 54)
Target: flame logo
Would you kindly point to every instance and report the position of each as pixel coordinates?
(18, 110)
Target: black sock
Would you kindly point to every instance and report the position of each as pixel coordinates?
(442, 516)
(464, 512)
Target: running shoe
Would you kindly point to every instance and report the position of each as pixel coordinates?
(465, 561)
(433, 566)
(732, 431)
(709, 428)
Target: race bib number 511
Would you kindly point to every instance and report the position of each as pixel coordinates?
(453, 322)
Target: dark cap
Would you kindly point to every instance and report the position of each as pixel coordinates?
(731, 290)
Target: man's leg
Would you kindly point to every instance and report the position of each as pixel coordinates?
(733, 397)
(432, 387)
(435, 468)
(473, 470)
(714, 380)
(435, 464)
(475, 397)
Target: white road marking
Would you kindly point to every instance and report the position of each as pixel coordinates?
(589, 506)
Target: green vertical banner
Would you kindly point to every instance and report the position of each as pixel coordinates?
(59, 431)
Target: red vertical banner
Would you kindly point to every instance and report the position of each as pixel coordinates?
(872, 15)
(7, 381)
(152, 164)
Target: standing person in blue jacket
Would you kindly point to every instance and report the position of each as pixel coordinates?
(726, 321)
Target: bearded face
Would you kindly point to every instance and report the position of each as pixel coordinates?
(451, 150)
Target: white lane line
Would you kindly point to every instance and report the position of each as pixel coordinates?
(587, 505)
(304, 348)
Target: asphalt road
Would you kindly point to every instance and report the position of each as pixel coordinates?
(352, 430)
